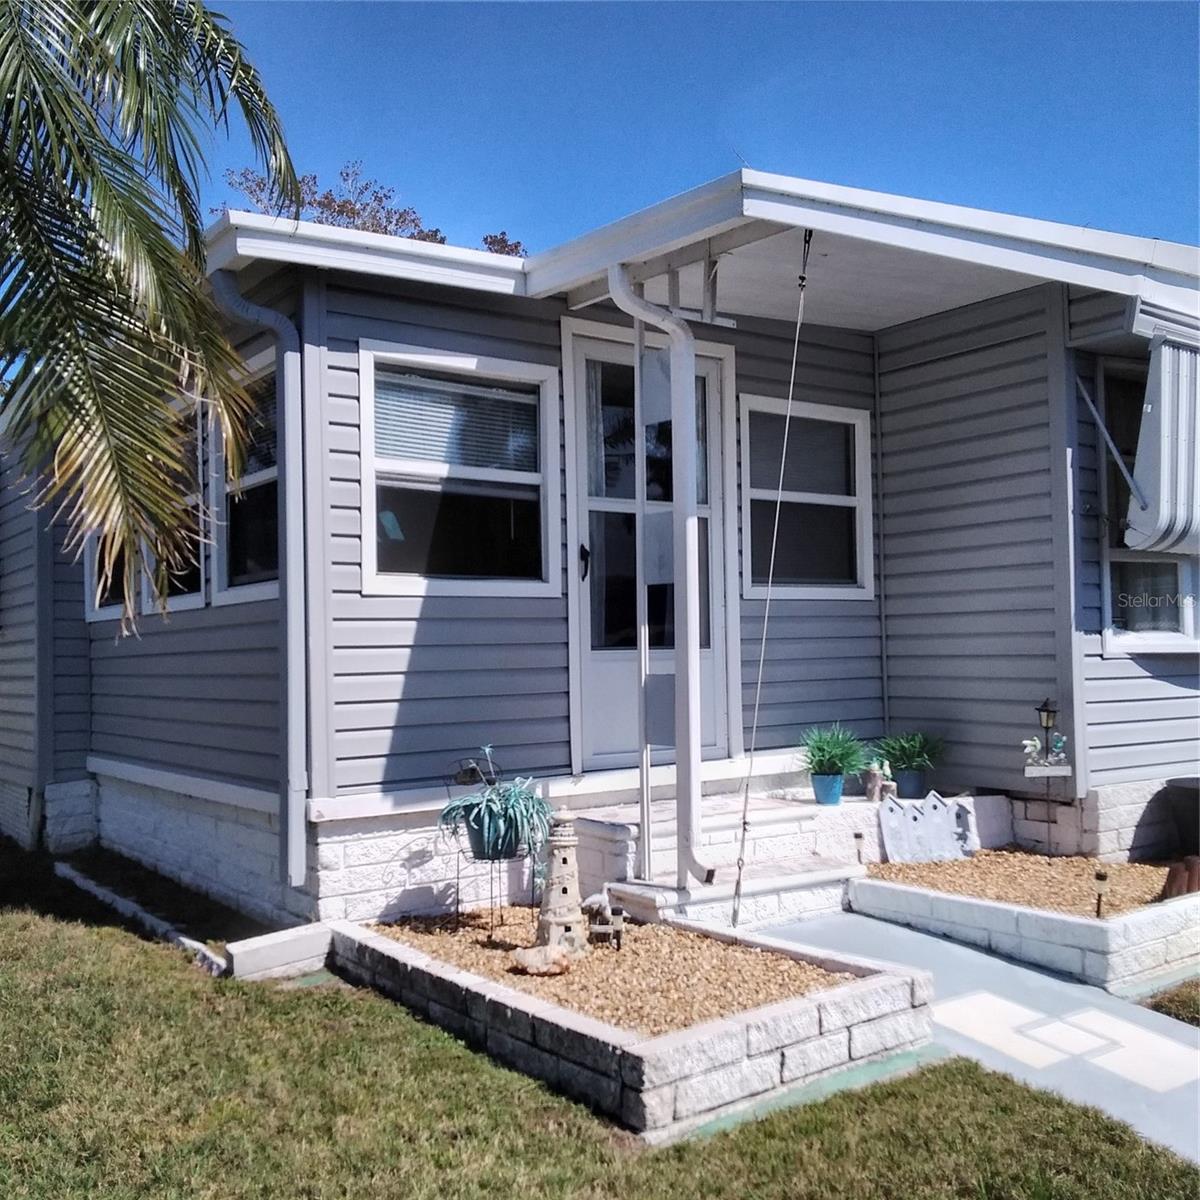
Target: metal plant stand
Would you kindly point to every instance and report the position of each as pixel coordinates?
(469, 773)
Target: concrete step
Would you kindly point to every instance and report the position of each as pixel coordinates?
(778, 890)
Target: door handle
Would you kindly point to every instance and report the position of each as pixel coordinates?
(585, 561)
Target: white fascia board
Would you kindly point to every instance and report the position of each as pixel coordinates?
(1176, 257)
(1166, 272)
(700, 213)
(238, 239)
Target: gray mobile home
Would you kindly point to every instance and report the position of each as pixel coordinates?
(478, 511)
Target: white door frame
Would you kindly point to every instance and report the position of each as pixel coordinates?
(572, 329)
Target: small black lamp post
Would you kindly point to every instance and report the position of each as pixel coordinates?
(1048, 716)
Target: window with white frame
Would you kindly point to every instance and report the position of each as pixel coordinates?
(460, 474)
(185, 583)
(246, 544)
(824, 544)
(107, 603)
(1149, 597)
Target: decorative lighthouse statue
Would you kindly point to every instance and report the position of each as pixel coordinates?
(562, 930)
(561, 922)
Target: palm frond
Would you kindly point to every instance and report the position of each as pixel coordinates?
(104, 315)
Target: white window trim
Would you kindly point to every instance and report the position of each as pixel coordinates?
(860, 420)
(472, 366)
(188, 600)
(1120, 643)
(223, 593)
(92, 612)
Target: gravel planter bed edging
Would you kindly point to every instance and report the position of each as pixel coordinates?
(1110, 953)
(661, 1087)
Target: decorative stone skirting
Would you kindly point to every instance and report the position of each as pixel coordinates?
(69, 815)
(223, 850)
(659, 1086)
(1111, 953)
(375, 868)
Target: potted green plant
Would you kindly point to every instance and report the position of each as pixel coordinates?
(501, 818)
(832, 753)
(910, 755)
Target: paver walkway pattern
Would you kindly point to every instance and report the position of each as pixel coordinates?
(1137, 1065)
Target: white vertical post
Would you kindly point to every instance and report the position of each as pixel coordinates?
(684, 449)
(686, 525)
(645, 847)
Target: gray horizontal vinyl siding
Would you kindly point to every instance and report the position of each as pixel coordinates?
(1095, 316)
(196, 691)
(967, 533)
(823, 660)
(418, 682)
(18, 643)
(1141, 712)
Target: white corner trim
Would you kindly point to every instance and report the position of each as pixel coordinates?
(424, 358)
(861, 501)
(235, 795)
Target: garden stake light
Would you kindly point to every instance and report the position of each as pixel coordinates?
(858, 845)
(1101, 887)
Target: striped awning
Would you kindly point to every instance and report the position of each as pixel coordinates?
(1167, 467)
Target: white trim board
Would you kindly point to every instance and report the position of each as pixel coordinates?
(235, 795)
(573, 791)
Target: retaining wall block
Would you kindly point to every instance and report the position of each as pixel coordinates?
(585, 1041)
(816, 1055)
(648, 1109)
(864, 1000)
(886, 1033)
(683, 1053)
(523, 1056)
(726, 1085)
(781, 1024)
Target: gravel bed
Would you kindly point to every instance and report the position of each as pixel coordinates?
(661, 979)
(1065, 885)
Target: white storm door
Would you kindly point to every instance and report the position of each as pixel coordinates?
(624, 474)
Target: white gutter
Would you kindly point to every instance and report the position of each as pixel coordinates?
(686, 567)
(294, 761)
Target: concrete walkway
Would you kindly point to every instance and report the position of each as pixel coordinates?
(1139, 1066)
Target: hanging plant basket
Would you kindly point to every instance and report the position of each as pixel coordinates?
(502, 820)
(498, 845)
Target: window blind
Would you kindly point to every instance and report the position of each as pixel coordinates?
(454, 422)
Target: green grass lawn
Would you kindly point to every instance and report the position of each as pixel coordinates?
(1181, 1002)
(126, 1072)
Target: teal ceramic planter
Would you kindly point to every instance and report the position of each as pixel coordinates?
(828, 788)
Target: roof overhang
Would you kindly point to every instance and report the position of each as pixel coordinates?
(1002, 252)
(878, 259)
(238, 239)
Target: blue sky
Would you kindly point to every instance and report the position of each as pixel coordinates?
(548, 119)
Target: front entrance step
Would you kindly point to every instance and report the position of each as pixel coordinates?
(779, 829)
(608, 837)
(772, 891)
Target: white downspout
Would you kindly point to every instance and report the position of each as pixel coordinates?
(687, 570)
(294, 684)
